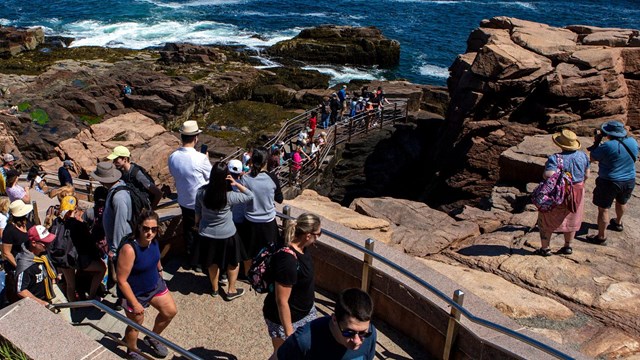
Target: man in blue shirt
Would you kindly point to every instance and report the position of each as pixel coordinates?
(347, 334)
(64, 176)
(616, 159)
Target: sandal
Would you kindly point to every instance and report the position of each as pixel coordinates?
(613, 225)
(543, 252)
(594, 239)
(565, 250)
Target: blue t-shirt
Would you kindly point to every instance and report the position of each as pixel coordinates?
(614, 161)
(575, 162)
(315, 341)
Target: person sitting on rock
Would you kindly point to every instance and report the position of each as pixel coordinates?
(135, 175)
(15, 191)
(64, 176)
(347, 334)
(567, 217)
(616, 180)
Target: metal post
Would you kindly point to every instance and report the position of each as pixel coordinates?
(335, 141)
(406, 111)
(90, 192)
(36, 214)
(350, 129)
(395, 112)
(454, 320)
(287, 211)
(381, 117)
(366, 265)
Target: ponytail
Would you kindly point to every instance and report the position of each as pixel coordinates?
(304, 224)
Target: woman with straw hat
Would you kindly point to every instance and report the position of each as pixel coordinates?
(567, 217)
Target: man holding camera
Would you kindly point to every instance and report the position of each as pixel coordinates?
(616, 159)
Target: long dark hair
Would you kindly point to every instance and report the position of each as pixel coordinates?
(215, 194)
(258, 160)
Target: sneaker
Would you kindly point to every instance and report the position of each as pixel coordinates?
(159, 350)
(237, 294)
(132, 355)
(215, 294)
(223, 279)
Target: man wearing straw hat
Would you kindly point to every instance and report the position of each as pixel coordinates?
(190, 170)
(616, 159)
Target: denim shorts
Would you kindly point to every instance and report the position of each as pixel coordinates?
(607, 190)
(277, 330)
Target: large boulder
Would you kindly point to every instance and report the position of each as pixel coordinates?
(520, 78)
(16, 40)
(340, 45)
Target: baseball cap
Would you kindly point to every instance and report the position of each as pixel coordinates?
(119, 151)
(235, 166)
(68, 203)
(67, 163)
(40, 233)
(8, 157)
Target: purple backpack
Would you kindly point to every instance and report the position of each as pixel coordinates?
(260, 273)
(554, 190)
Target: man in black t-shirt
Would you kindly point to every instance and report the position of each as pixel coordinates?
(346, 335)
(34, 273)
(134, 174)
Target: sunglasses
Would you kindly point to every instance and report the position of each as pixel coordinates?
(350, 334)
(152, 229)
(317, 234)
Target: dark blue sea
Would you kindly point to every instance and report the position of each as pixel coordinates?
(431, 32)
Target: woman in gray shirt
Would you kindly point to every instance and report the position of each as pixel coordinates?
(221, 245)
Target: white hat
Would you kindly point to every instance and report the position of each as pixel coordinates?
(235, 166)
(19, 209)
(190, 127)
(8, 158)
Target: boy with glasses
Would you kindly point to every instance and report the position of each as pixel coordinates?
(347, 334)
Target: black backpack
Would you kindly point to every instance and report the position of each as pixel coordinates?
(131, 178)
(139, 201)
(63, 252)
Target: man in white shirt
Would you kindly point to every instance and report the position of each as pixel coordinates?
(190, 170)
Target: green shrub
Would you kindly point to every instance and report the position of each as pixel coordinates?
(40, 117)
(24, 106)
(10, 352)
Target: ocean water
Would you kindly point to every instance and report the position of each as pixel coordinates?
(431, 32)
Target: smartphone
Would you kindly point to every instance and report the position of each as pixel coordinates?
(203, 148)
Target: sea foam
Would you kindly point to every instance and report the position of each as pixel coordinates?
(344, 74)
(433, 71)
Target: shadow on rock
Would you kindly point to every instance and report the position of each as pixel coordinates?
(209, 354)
(492, 250)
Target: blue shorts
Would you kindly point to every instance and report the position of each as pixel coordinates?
(607, 190)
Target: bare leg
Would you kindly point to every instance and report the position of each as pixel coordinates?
(603, 219)
(166, 311)
(232, 273)
(545, 238)
(213, 276)
(247, 265)
(620, 208)
(568, 236)
(131, 334)
(70, 281)
(277, 342)
(97, 270)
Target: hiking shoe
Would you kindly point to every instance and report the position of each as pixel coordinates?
(237, 294)
(565, 250)
(159, 350)
(223, 279)
(613, 225)
(215, 294)
(594, 239)
(543, 252)
(132, 355)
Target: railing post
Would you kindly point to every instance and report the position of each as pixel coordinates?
(381, 117)
(350, 130)
(395, 111)
(406, 111)
(36, 214)
(366, 265)
(285, 221)
(335, 140)
(454, 320)
(90, 192)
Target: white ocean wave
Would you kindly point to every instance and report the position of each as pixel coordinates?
(433, 71)
(193, 3)
(267, 63)
(523, 4)
(344, 74)
(287, 14)
(135, 35)
(5, 22)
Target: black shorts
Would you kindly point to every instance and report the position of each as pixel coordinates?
(607, 190)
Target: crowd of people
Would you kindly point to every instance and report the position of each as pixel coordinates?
(229, 216)
(616, 154)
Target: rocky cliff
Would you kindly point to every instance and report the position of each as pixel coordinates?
(519, 78)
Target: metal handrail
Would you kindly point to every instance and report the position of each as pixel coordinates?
(127, 321)
(442, 296)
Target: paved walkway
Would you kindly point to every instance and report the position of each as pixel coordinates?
(215, 329)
